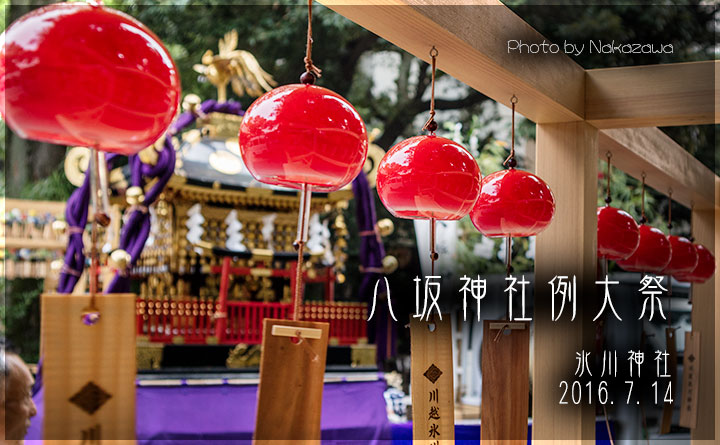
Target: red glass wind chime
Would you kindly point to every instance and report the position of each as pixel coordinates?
(429, 177)
(304, 137)
(704, 268)
(84, 74)
(684, 256)
(653, 252)
(617, 232)
(513, 202)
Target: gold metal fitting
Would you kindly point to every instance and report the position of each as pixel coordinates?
(385, 227)
(59, 227)
(149, 155)
(134, 195)
(191, 102)
(119, 259)
(390, 264)
(56, 265)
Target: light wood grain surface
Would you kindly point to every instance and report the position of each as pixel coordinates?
(431, 368)
(291, 385)
(75, 354)
(505, 385)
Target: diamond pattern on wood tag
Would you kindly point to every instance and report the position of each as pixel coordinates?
(90, 398)
(433, 373)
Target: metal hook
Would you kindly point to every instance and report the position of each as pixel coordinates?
(433, 51)
(514, 99)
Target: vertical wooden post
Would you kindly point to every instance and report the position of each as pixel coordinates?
(567, 158)
(706, 319)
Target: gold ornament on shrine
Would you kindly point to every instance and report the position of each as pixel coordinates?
(236, 67)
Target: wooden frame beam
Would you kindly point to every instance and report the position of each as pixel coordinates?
(473, 48)
(666, 164)
(653, 95)
(472, 42)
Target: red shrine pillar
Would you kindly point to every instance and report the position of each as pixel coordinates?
(221, 310)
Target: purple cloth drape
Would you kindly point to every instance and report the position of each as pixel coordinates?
(372, 251)
(226, 413)
(371, 254)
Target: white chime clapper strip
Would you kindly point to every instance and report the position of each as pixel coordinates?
(294, 331)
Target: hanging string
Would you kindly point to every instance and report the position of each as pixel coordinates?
(643, 220)
(311, 71)
(669, 223)
(298, 283)
(94, 260)
(510, 160)
(433, 254)
(508, 256)
(669, 277)
(430, 124)
(303, 219)
(508, 269)
(608, 198)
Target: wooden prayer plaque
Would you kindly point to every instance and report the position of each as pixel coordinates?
(505, 382)
(433, 405)
(671, 347)
(291, 382)
(691, 380)
(88, 371)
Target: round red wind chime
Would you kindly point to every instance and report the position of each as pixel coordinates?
(513, 202)
(703, 271)
(304, 137)
(653, 252)
(684, 255)
(704, 268)
(429, 177)
(617, 232)
(84, 74)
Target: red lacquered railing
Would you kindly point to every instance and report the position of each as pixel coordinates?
(347, 320)
(245, 319)
(194, 320)
(164, 320)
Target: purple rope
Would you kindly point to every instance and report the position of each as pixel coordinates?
(136, 230)
(76, 215)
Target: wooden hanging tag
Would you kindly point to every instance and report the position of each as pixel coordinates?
(671, 348)
(433, 406)
(88, 371)
(505, 366)
(691, 380)
(292, 372)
